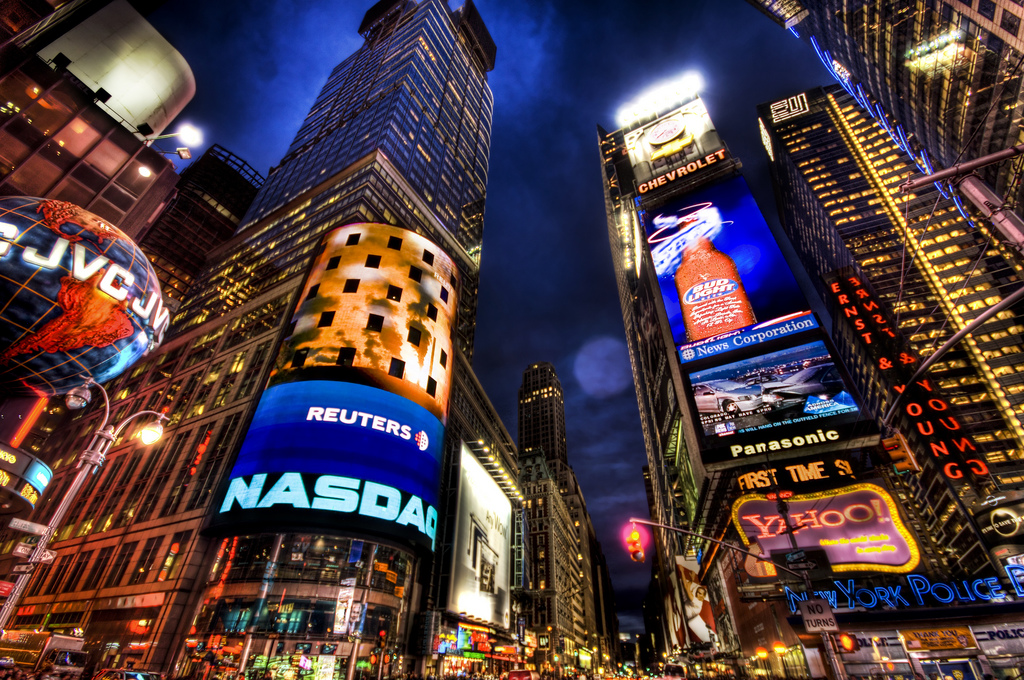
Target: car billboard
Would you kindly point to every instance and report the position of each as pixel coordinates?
(858, 526)
(786, 403)
(723, 279)
(348, 435)
(481, 560)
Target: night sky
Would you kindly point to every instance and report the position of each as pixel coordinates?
(547, 290)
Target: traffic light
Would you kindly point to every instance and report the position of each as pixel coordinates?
(847, 643)
(634, 546)
(899, 454)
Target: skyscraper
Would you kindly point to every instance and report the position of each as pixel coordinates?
(947, 73)
(567, 560)
(542, 413)
(212, 197)
(352, 276)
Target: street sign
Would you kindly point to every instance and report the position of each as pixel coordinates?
(6, 588)
(796, 556)
(24, 568)
(22, 550)
(818, 616)
(46, 557)
(803, 566)
(30, 527)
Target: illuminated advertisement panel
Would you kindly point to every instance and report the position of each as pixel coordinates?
(481, 560)
(723, 279)
(348, 435)
(680, 144)
(792, 401)
(80, 299)
(858, 527)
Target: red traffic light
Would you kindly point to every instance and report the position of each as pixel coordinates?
(635, 546)
(847, 643)
(900, 455)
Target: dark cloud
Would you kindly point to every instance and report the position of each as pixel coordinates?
(547, 285)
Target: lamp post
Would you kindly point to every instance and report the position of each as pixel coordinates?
(90, 460)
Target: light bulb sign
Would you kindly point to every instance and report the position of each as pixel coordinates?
(81, 299)
(857, 526)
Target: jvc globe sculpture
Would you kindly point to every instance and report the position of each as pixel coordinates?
(78, 299)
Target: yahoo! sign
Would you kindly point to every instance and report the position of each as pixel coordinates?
(858, 527)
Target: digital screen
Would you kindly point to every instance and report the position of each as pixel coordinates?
(339, 455)
(348, 434)
(723, 279)
(481, 560)
(790, 401)
(858, 527)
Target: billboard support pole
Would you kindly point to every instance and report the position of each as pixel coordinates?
(357, 639)
(729, 546)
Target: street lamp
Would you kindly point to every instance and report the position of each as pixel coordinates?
(90, 460)
(189, 135)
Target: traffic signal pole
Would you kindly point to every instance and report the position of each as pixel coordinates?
(837, 668)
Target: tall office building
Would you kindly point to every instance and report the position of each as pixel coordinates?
(947, 72)
(212, 197)
(942, 82)
(567, 593)
(351, 281)
(542, 413)
(924, 270)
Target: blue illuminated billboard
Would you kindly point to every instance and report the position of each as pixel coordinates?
(723, 279)
(338, 456)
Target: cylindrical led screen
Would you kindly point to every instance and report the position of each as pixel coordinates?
(347, 437)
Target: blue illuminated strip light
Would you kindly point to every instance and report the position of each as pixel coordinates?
(896, 132)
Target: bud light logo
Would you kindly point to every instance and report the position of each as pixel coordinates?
(709, 290)
(422, 440)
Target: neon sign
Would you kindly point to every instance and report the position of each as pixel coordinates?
(918, 591)
(859, 528)
(923, 408)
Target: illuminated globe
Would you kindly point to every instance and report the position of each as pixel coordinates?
(78, 299)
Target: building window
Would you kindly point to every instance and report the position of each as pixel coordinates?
(428, 257)
(373, 261)
(1010, 23)
(431, 312)
(334, 262)
(346, 356)
(351, 286)
(397, 368)
(444, 294)
(313, 292)
(415, 273)
(444, 359)
(431, 386)
(375, 323)
(395, 293)
(326, 319)
(299, 358)
(987, 9)
(353, 240)
(415, 336)
(120, 565)
(394, 243)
